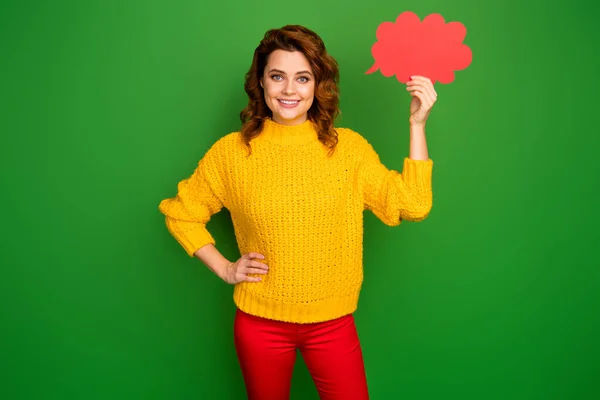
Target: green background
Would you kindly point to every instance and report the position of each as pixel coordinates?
(106, 105)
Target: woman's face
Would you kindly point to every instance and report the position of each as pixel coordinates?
(289, 86)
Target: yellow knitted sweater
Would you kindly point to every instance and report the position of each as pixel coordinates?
(302, 209)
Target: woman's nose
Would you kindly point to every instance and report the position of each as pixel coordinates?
(289, 88)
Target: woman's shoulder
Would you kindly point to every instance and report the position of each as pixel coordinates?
(220, 150)
(226, 143)
(350, 137)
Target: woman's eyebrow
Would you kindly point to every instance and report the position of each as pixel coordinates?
(297, 73)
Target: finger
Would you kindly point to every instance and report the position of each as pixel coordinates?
(426, 100)
(429, 98)
(255, 271)
(243, 276)
(425, 83)
(245, 266)
(422, 79)
(257, 264)
(253, 267)
(431, 92)
(422, 97)
(251, 255)
(427, 95)
(418, 94)
(416, 85)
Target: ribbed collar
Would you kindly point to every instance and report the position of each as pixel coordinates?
(289, 135)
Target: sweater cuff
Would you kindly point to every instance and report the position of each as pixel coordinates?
(191, 236)
(417, 171)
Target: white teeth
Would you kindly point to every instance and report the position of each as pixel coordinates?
(288, 102)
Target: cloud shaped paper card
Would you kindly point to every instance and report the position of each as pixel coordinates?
(431, 48)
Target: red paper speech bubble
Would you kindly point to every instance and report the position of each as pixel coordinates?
(432, 48)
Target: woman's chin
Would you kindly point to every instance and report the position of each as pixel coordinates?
(290, 118)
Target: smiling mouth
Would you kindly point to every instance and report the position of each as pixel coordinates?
(289, 102)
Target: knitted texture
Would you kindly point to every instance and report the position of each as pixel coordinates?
(302, 209)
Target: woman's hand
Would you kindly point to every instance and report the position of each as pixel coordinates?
(238, 271)
(424, 96)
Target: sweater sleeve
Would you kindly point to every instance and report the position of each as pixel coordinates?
(198, 197)
(393, 196)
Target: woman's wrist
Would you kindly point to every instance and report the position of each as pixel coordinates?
(417, 127)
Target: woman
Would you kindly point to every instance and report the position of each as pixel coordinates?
(296, 188)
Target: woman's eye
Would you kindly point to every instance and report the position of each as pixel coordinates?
(276, 77)
(303, 79)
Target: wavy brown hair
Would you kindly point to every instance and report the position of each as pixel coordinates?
(325, 107)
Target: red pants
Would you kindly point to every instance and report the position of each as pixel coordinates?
(266, 351)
